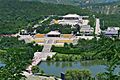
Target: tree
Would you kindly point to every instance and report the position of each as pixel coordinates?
(110, 51)
(48, 58)
(16, 55)
(77, 74)
(35, 69)
(100, 76)
(65, 45)
(71, 45)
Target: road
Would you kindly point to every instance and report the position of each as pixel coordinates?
(47, 46)
(46, 19)
(97, 28)
(39, 56)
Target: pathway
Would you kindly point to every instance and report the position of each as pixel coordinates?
(40, 56)
(97, 28)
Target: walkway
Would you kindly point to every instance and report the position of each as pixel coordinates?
(45, 19)
(40, 56)
(97, 28)
(47, 46)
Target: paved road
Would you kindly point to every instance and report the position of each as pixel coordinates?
(47, 46)
(46, 19)
(97, 28)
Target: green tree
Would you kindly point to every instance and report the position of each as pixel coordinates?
(110, 51)
(35, 69)
(77, 74)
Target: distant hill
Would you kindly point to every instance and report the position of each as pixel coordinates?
(75, 2)
(106, 8)
(99, 6)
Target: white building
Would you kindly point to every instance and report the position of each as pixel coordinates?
(72, 19)
(53, 34)
(23, 31)
(113, 28)
(86, 30)
(111, 31)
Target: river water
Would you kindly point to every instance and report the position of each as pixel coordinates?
(55, 68)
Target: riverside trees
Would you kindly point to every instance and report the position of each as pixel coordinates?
(78, 75)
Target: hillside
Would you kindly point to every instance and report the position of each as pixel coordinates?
(14, 17)
(111, 8)
(99, 6)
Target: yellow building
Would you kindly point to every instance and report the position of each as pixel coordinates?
(39, 36)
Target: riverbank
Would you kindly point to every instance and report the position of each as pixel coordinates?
(74, 57)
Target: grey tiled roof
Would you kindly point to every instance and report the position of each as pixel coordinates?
(110, 32)
(86, 28)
